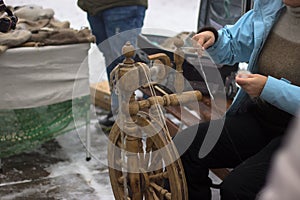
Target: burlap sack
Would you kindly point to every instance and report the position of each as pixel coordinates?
(33, 12)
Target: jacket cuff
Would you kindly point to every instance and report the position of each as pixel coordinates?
(211, 29)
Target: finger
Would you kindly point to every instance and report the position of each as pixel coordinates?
(208, 43)
(201, 41)
(195, 39)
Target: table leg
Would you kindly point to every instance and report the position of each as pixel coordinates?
(88, 137)
(1, 170)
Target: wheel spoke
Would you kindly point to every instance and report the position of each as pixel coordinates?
(148, 195)
(159, 176)
(121, 180)
(161, 190)
(149, 146)
(154, 195)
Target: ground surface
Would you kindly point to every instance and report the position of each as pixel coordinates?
(59, 170)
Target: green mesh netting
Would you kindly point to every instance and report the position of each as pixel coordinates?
(25, 129)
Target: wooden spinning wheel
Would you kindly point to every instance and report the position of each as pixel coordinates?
(143, 161)
(166, 182)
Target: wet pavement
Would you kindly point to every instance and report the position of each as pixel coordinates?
(58, 170)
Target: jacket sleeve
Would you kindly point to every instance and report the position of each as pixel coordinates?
(282, 94)
(235, 42)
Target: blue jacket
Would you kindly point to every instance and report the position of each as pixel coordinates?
(243, 42)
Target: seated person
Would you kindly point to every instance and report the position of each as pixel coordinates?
(268, 38)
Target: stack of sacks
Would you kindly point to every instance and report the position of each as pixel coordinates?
(38, 27)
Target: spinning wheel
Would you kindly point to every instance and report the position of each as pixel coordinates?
(143, 161)
(166, 182)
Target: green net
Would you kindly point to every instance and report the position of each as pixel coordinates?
(25, 129)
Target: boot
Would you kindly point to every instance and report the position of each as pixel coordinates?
(107, 121)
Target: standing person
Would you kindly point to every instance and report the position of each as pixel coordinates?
(268, 38)
(114, 22)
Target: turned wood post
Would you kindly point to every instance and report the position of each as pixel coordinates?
(179, 59)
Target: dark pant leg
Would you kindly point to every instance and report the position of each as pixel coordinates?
(122, 24)
(247, 179)
(241, 137)
(98, 27)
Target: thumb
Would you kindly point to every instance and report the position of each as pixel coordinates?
(242, 79)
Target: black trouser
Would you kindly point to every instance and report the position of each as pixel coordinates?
(245, 144)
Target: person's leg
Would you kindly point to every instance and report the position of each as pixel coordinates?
(246, 180)
(241, 137)
(122, 24)
(98, 27)
(99, 30)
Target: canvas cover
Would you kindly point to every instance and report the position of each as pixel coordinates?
(39, 76)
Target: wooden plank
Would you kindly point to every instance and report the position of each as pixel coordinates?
(100, 95)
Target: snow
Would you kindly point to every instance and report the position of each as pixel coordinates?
(165, 15)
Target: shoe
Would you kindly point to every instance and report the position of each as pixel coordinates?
(107, 121)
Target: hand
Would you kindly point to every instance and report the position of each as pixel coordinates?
(205, 39)
(253, 84)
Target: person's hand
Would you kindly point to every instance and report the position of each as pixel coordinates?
(205, 39)
(253, 84)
